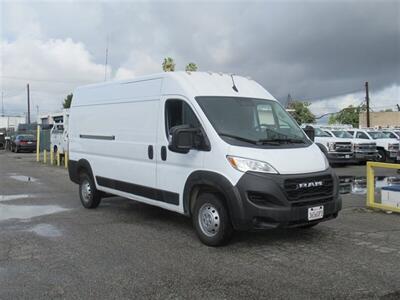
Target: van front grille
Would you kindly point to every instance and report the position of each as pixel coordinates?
(311, 188)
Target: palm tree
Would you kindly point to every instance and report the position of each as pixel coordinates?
(191, 67)
(168, 65)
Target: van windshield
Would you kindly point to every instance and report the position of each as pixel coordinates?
(250, 121)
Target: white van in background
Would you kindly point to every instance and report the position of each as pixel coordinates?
(217, 148)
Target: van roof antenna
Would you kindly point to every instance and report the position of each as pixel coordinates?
(234, 85)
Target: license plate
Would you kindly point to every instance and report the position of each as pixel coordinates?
(29, 142)
(315, 213)
(347, 156)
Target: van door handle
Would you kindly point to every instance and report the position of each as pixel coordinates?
(150, 151)
(164, 153)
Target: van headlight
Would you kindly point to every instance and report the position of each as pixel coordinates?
(245, 164)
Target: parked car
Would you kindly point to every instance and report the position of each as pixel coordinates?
(24, 142)
(215, 147)
(363, 150)
(388, 149)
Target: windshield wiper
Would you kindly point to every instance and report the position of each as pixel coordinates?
(239, 138)
(279, 140)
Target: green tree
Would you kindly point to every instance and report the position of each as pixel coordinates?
(67, 101)
(349, 115)
(168, 64)
(191, 67)
(301, 112)
(332, 119)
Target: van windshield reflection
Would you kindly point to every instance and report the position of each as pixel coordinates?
(250, 121)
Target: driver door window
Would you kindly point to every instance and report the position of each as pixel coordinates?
(178, 112)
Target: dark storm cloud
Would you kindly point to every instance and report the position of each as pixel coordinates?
(311, 49)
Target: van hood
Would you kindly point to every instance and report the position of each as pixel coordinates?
(286, 161)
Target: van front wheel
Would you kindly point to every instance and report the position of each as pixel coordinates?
(211, 220)
(90, 196)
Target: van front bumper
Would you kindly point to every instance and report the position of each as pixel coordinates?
(266, 202)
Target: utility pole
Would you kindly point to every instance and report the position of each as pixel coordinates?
(367, 100)
(29, 103)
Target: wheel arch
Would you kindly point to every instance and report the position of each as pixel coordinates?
(200, 181)
(76, 167)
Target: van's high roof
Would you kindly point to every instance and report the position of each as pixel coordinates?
(190, 84)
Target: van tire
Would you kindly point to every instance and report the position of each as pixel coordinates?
(89, 195)
(209, 212)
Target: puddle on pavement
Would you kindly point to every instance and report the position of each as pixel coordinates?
(45, 230)
(24, 178)
(14, 197)
(358, 185)
(8, 212)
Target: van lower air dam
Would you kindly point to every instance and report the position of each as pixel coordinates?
(215, 147)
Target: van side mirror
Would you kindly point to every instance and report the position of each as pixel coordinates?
(309, 130)
(184, 138)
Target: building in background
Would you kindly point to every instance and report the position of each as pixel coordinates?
(11, 122)
(381, 119)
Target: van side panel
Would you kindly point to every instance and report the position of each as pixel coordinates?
(114, 138)
(112, 127)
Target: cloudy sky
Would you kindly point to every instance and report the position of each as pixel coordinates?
(320, 51)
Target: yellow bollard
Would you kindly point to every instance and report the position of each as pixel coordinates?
(58, 158)
(51, 157)
(38, 143)
(66, 160)
(44, 156)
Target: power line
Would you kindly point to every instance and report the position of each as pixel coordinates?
(42, 80)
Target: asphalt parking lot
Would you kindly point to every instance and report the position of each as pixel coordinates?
(51, 247)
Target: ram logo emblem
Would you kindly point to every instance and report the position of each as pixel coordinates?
(310, 184)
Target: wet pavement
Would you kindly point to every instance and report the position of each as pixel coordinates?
(51, 247)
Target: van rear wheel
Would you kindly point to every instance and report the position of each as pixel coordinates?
(211, 220)
(89, 195)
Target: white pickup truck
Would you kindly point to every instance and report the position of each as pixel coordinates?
(337, 150)
(388, 149)
(364, 150)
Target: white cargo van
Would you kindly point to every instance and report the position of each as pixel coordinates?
(215, 147)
